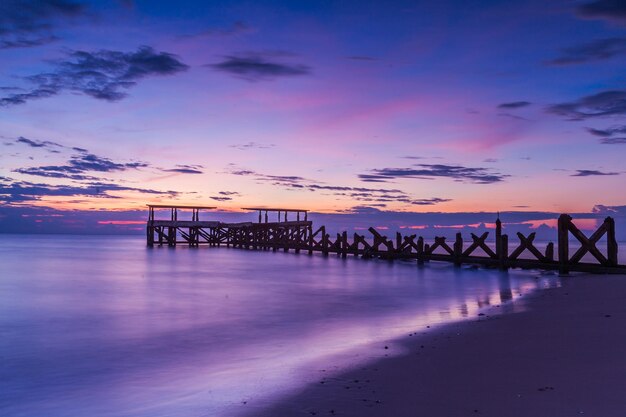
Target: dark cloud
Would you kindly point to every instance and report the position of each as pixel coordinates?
(220, 198)
(604, 9)
(78, 165)
(613, 141)
(259, 66)
(33, 15)
(227, 193)
(20, 191)
(293, 182)
(46, 144)
(604, 133)
(430, 201)
(251, 145)
(590, 173)
(91, 162)
(597, 50)
(427, 171)
(514, 105)
(237, 28)
(371, 196)
(22, 42)
(276, 179)
(513, 116)
(361, 58)
(186, 169)
(55, 172)
(104, 75)
(605, 103)
(29, 23)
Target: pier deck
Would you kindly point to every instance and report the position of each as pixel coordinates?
(298, 235)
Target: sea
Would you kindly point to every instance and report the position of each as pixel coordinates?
(105, 326)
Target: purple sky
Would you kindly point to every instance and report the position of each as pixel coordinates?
(358, 107)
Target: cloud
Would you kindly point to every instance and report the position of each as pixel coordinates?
(29, 23)
(292, 180)
(430, 201)
(365, 194)
(607, 132)
(361, 58)
(46, 144)
(613, 141)
(251, 145)
(26, 42)
(514, 105)
(591, 173)
(78, 165)
(427, 171)
(607, 135)
(55, 172)
(237, 28)
(186, 169)
(103, 75)
(258, 67)
(597, 50)
(604, 9)
(21, 191)
(220, 198)
(605, 103)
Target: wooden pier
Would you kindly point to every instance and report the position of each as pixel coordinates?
(275, 231)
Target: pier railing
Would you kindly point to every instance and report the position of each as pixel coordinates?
(298, 235)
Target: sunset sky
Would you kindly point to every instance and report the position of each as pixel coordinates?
(400, 106)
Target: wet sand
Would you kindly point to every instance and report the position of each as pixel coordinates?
(564, 354)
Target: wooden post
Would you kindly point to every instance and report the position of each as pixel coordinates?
(398, 242)
(420, 250)
(550, 252)
(150, 235)
(310, 239)
(611, 242)
(498, 236)
(458, 249)
(504, 251)
(324, 241)
(563, 240)
(344, 244)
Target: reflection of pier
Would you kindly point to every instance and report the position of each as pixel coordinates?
(275, 230)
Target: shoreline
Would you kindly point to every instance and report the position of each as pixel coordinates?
(562, 355)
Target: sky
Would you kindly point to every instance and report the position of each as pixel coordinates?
(395, 108)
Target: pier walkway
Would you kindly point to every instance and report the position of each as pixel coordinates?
(297, 234)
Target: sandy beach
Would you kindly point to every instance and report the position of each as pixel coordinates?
(563, 354)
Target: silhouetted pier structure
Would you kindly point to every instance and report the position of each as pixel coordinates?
(274, 231)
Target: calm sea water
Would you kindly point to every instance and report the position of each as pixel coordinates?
(103, 326)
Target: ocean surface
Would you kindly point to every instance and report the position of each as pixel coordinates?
(104, 326)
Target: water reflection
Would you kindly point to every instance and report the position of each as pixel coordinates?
(102, 326)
